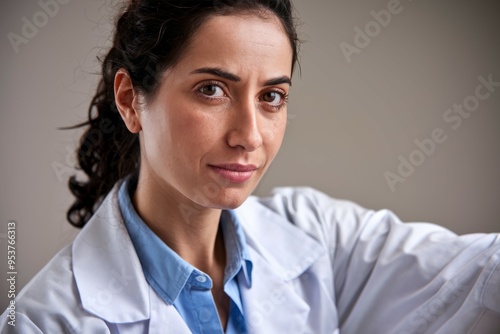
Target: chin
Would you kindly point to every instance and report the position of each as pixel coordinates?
(230, 199)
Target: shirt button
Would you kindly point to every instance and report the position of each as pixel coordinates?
(201, 279)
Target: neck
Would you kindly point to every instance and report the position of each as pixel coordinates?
(188, 229)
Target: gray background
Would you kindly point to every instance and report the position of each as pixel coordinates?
(348, 123)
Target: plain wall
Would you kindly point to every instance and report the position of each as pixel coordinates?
(350, 122)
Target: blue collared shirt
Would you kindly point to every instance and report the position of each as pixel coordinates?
(179, 283)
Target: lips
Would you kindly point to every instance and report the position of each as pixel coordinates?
(236, 173)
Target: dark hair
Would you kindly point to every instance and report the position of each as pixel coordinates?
(150, 36)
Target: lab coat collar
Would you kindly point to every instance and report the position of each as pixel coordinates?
(280, 252)
(287, 249)
(107, 271)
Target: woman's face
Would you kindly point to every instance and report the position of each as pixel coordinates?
(219, 117)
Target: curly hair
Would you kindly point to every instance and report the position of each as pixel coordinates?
(150, 36)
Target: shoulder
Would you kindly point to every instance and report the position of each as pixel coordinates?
(305, 210)
(299, 199)
(308, 208)
(52, 301)
(49, 301)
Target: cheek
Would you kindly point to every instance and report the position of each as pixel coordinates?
(193, 133)
(152, 135)
(161, 133)
(174, 125)
(273, 134)
(275, 131)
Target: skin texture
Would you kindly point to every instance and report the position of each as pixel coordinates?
(198, 120)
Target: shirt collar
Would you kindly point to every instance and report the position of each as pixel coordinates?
(237, 256)
(169, 278)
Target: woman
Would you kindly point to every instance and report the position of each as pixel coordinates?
(190, 112)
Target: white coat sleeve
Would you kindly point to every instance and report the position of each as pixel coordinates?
(395, 277)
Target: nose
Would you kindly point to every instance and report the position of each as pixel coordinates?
(244, 129)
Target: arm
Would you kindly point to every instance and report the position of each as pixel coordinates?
(395, 277)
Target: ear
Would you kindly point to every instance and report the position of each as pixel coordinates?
(126, 101)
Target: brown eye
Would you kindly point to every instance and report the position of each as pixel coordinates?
(212, 90)
(274, 98)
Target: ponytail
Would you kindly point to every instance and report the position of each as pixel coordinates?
(106, 153)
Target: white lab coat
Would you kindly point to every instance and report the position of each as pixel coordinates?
(319, 266)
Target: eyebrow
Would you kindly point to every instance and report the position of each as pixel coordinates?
(233, 77)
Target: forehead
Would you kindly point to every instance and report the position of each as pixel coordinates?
(240, 43)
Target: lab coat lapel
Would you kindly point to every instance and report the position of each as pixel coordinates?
(164, 318)
(107, 270)
(280, 253)
(110, 278)
(271, 305)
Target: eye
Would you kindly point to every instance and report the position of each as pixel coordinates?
(274, 98)
(211, 90)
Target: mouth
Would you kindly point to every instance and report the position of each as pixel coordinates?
(235, 173)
